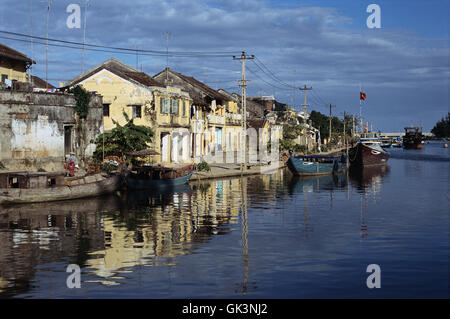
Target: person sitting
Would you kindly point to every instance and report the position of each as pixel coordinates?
(73, 158)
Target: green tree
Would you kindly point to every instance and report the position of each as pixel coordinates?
(123, 139)
(442, 128)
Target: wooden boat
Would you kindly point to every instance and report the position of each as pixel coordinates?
(30, 187)
(413, 138)
(368, 151)
(315, 165)
(158, 177)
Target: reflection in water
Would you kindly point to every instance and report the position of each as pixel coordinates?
(315, 184)
(368, 179)
(115, 235)
(31, 235)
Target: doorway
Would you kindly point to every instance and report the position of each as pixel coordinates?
(68, 139)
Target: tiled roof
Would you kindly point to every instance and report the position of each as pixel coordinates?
(196, 83)
(39, 83)
(121, 69)
(13, 54)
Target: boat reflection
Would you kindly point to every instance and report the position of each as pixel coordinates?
(316, 183)
(366, 179)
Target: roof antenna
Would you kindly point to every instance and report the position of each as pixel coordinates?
(86, 5)
(167, 35)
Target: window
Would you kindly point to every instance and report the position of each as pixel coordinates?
(175, 106)
(184, 108)
(4, 77)
(165, 105)
(137, 111)
(106, 110)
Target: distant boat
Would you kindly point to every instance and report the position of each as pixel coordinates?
(315, 165)
(386, 143)
(413, 138)
(158, 177)
(368, 151)
(38, 187)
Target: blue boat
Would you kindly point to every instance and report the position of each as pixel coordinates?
(158, 177)
(315, 165)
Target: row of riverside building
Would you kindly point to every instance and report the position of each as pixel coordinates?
(39, 127)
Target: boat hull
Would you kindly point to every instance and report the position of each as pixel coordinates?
(88, 186)
(303, 167)
(413, 145)
(139, 183)
(363, 155)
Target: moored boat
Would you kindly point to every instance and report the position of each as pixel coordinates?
(316, 165)
(413, 138)
(368, 151)
(158, 177)
(38, 187)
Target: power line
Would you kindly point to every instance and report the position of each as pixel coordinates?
(141, 51)
(315, 93)
(270, 84)
(271, 74)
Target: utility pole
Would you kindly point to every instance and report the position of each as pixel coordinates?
(86, 4)
(31, 39)
(137, 57)
(353, 126)
(329, 137)
(304, 104)
(345, 143)
(49, 3)
(167, 34)
(243, 86)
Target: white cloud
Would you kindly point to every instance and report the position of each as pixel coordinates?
(300, 44)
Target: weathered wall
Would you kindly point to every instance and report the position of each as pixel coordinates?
(32, 129)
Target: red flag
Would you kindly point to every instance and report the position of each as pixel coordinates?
(362, 96)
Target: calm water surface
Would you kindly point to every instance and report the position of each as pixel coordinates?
(270, 236)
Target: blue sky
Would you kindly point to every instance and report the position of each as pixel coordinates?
(403, 66)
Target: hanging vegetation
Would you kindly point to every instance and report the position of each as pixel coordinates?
(122, 140)
(82, 98)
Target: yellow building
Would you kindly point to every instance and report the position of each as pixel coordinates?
(214, 116)
(13, 64)
(147, 102)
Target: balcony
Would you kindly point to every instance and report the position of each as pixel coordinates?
(216, 119)
(233, 118)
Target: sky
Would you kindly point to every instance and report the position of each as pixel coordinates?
(403, 66)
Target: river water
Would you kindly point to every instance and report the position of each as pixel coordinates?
(267, 236)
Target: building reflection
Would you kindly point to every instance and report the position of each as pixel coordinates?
(153, 228)
(37, 234)
(113, 235)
